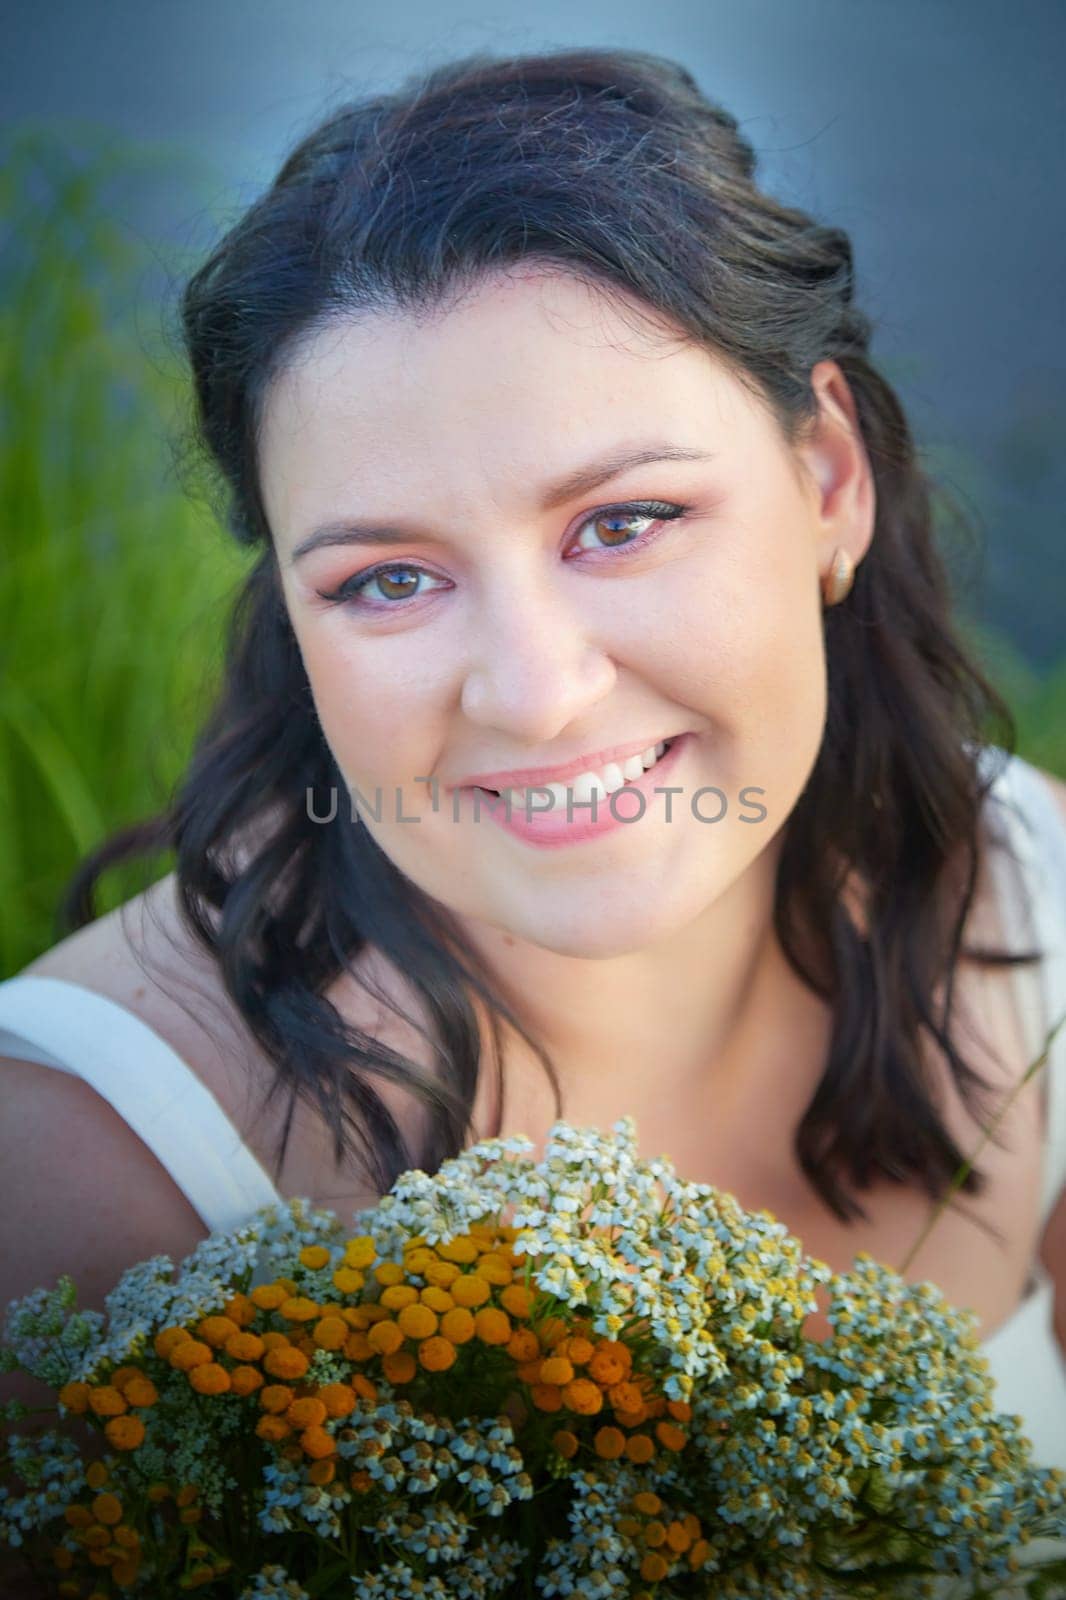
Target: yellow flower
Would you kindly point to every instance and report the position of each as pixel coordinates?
(216, 1330)
(583, 1396)
(435, 1298)
(673, 1437)
(348, 1280)
(330, 1333)
(546, 1396)
(397, 1295)
(125, 1433)
(75, 1396)
(268, 1296)
(609, 1443)
(276, 1397)
(274, 1339)
(210, 1378)
(389, 1272)
(470, 1290)
(457, 1325)
(106, 1401)
(272, 1428)
(167, 1338)
(463, 1249)
(107, 1508)
(437, 1354)
(492, 1325)
(240, 1309)
(442, 1274)
(338, 1399)
(626, 1397)
(307, 1411)
(190, 1353)
(517, 1300)
(360, 1252)
(245, 1380)
(285, 1363)
(96, 1475)
(647, 1502)
(322, 1472)
(523, 1345)
(244, 1347)
(610, 1363)
(565, 1443)
(640, 1448)
(141, 1392)
(417, 1321)
(495, 1269)
(314, 1256)
(653, 1568)
(551, 1331)
(298, 1308)
(557, 1370)
(122, 1375)
(385, 1337)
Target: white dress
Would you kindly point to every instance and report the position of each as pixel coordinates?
(64, 1025)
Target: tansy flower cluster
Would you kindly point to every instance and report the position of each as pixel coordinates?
(579, 1377)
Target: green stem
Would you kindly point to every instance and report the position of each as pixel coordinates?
(960, 1176)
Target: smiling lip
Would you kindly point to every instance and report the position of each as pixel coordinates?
(526, 777)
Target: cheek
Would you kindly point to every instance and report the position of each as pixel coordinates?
(745, 635)
(375, 710)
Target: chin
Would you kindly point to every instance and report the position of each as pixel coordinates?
(604, 921)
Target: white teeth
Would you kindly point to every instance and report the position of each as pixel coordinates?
(612, 778)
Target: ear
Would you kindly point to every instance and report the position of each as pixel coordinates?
(835, 469)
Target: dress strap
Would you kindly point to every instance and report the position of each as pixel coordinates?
(64, 1025)
(1036, 833)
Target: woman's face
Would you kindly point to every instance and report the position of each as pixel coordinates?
(517, 622)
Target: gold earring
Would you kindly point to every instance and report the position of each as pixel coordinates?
(840, 577)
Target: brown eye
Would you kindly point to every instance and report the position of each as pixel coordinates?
(616, 526)
(389, 586)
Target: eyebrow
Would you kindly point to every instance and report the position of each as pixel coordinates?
(578, 481)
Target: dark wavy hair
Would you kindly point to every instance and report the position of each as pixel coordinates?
(612, 165)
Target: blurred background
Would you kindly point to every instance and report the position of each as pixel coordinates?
(134, 133)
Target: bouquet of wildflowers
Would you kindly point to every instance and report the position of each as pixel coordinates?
(578, 1377)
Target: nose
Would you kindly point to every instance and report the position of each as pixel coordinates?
(534, 668)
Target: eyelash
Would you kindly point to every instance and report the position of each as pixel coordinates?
(346, 593)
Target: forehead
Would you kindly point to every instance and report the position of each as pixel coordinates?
(516, 375)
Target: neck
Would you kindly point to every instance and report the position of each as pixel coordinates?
(708, 1017)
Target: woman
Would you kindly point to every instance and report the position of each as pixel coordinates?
(567, 462)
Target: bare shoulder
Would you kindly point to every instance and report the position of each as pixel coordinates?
(146, 958)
